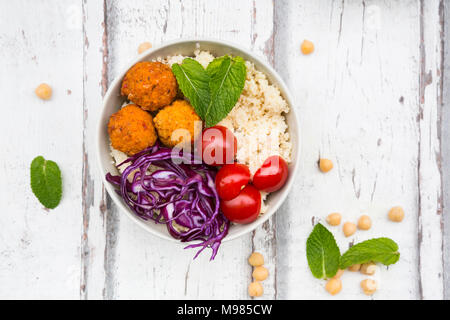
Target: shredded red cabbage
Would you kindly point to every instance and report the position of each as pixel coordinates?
(182, 196)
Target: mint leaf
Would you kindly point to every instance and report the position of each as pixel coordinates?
(322, 253)
(193, 81)
(212, 92)
(227, 79)
(383, 250)
(46, 182)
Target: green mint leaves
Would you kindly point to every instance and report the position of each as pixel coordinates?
(212, 92)
(382, 250)
(46, 182)
(226, 85)
(194, 83)
(322, 253)
(324, 258)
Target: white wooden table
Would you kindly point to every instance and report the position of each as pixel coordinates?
(372, 98)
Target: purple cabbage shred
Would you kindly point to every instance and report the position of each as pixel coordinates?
(182, 196)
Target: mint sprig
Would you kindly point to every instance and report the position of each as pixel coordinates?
(383, 250)
(324, 258)
(193, 81)
(322, 253)
(46, 182)
(227, 82)
(212, 92)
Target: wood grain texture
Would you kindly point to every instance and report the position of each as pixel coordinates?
(373, 97)
(445, 142)
(95, 214)
(429, 158)
(359, 105)
(264, 237)
(40, 249)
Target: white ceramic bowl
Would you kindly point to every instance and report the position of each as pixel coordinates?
(113, 100)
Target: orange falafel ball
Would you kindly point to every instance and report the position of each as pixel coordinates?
(179, 115)
(131, 130)
(150, 85)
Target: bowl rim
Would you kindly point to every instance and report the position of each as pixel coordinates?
(253, 57)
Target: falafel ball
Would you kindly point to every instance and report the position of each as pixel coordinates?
(131, 130)
(150, 85)
(179, 115)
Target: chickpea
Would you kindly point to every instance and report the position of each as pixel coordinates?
(144, 46)
(369, 286)
(339, 274)
(307, 47)
(364, 222)
(396, 214)
(256, 259)
(354, 268)
(325, 165)
(44, 91)
(255, 289)
(334, 286)
(260, 273)
(349, 228)
(334, 219)
(368, 268)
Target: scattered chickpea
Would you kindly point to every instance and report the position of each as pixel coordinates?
(260, 273)
(334, 286)
(256, 259)
(339, 274)
(364, 222)
(354, 268)
(368, 268)
(144, 46)
(307, 47)
(325, 165)
(369, 286)
(255, 289)
(334, 219)
(44, 91)
(349, 228)
(396, 214)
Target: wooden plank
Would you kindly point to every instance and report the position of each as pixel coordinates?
(264, 237)
(429, 160)
(357, 99)
(145, 266)
(40, 249)
(94, 232)
(445, 152)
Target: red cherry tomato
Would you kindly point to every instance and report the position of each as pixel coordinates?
(230, 180)
(245, 208)
(219, 146)
(272, 175)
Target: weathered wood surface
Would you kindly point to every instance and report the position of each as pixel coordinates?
(445, 142)
(370, 98)
(39, 249)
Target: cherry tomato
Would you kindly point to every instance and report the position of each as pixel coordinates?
(245, 208)
(230, 180)
(272, 175)
(219, 146)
